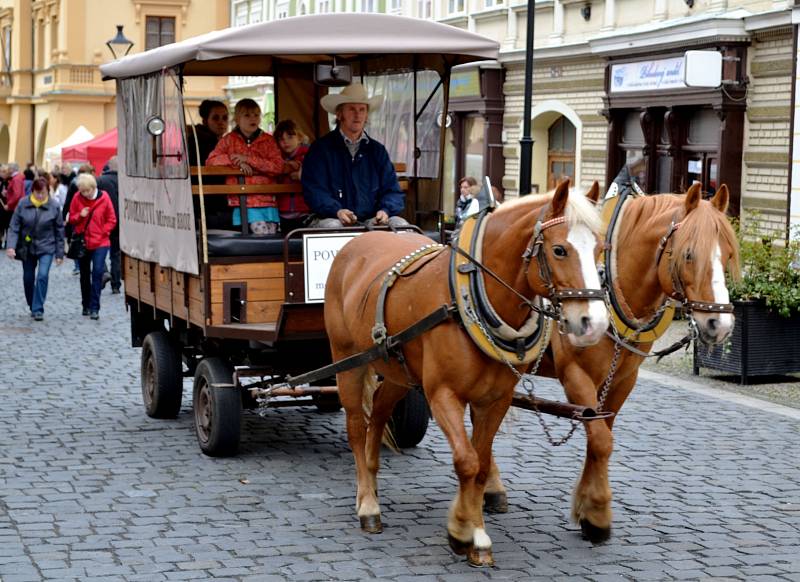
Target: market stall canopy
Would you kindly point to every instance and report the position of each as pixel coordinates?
(96, 151)
(52, 155)
(258, 49)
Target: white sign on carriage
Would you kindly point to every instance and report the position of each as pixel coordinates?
(319, 250)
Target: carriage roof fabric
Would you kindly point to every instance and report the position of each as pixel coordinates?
(314, 38)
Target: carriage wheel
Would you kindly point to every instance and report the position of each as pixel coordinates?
(162, 377)
(410, 418)
(217, 409)
(327, 403)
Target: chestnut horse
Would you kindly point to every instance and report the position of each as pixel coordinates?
(445, 361)
(675, 246)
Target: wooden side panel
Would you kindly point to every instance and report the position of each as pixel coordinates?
(179, 304)
(196, 301)
(130, 270)
(145, 286)
(265, 290)
(163, 288)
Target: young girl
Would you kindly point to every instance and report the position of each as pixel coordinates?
(256, 154)
(292, 206)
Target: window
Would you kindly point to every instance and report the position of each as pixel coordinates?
(424, 8)
(491, 3)
(560, 152)
(323, 6)
(367, 6)
(159, 30)
(282, 10)
(455, 6)
(395, 6)
(247, 12)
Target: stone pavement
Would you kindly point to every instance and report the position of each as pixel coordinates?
(92, 489)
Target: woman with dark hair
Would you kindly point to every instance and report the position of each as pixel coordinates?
(214, 124)
(464, 196)
(35, 236)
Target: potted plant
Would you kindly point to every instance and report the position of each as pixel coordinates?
(766, 299)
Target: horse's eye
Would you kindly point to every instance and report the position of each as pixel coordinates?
(689, 256)
(559, 251)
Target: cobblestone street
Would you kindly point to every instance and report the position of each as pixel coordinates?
(706, 488)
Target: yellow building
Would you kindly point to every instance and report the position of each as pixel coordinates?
(51, 50)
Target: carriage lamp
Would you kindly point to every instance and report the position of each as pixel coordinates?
(120, 45)
(155, 126)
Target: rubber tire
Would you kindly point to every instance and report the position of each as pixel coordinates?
(327, 403)
(410, 418)
(161, 374)
(220, 409)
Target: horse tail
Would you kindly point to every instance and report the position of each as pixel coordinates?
(371, 385)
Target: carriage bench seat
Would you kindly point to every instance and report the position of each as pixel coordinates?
(234, 244)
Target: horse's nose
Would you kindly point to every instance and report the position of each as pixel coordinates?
(586, 325)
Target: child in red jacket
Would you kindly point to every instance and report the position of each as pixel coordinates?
(256, 154)
(291, 205)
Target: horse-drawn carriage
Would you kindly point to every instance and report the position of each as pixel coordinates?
(240, 313)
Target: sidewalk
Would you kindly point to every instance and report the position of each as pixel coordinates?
(783, 390)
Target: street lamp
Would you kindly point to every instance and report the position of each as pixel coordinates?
(119, 45)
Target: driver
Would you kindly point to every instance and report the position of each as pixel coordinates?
(347, 175)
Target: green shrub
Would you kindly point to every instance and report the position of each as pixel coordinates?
(770, 269)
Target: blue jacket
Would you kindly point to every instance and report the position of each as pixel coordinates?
(333, 180)
(44, 225)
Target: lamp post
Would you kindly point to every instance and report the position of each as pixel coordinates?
(526, 143)
(119, 45)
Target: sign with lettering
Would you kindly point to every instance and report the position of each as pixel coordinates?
(657, 75)
(319, 250)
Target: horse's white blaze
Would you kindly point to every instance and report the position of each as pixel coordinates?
(480, 539)
(720, 290)
(583, 241)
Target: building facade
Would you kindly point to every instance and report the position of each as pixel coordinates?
(52, 49)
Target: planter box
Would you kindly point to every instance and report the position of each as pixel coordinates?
(762, 343)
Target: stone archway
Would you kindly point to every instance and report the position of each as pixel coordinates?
(543, 116)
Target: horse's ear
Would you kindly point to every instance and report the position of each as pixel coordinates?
(721, 198)
(594, 192)
(559, 202)
(693, 197)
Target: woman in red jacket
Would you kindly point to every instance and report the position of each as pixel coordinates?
(92, 214)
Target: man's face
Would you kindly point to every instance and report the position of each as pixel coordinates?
(217, 121)
(352, 118)
(249, 120)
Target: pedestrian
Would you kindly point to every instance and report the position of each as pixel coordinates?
(35, 237)
(72, 188)
(108, 182)
(464, 196)
(5, 214)
(92, 215)
(16, 187)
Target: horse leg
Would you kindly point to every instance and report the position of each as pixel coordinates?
(495, 498)
(383, 404)
(591, 506)
(351, 392)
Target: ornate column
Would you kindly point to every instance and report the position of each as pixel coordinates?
(558, 21)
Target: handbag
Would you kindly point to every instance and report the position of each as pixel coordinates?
(77, 242)
(23, 249)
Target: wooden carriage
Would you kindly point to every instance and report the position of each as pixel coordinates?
(226, 307)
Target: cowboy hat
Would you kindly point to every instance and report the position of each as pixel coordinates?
(354, 93)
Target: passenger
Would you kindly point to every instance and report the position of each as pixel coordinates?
(292, 207)
(37, 234)
(256, 154)
(464, 196)
(347, 176)
(214, 117)
(92, 214)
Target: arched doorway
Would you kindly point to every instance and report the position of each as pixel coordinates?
(560, 152)
(40, 141)
(557, 134)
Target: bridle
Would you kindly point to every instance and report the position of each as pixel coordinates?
(556, 296)
(678, 293)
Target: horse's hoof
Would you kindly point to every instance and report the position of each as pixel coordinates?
(371, 523)
(495, 502)
(593, 533)
(459, 547)
(480, 557)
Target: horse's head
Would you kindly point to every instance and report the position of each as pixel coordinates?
(564, 246)
(693, 258)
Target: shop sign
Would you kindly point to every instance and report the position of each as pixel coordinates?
(465, 84)
(657, 75)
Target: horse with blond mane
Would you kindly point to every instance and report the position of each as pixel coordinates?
(661, 247)
(537, 246)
